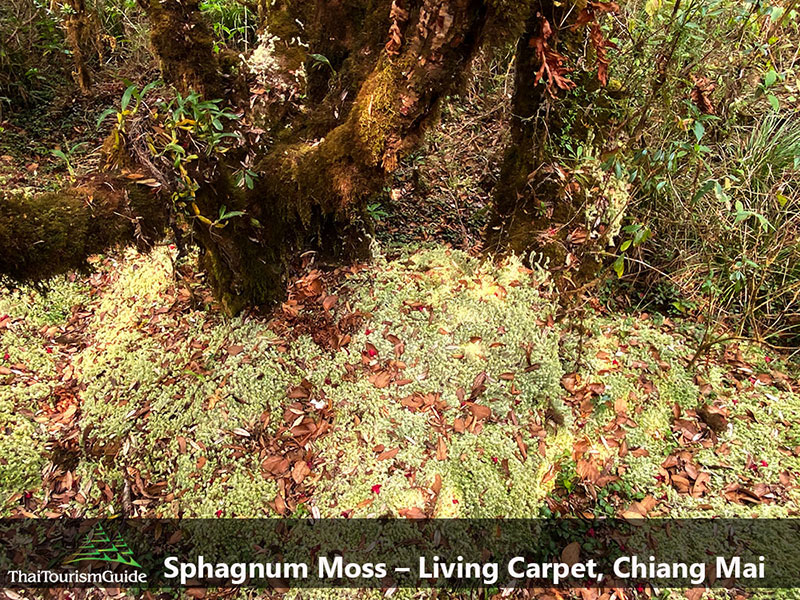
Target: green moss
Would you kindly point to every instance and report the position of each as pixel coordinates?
(22, 441)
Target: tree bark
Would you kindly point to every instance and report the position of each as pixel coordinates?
(184, 44)
(50, 233)
(312, 193)
(539, 210)
(79, 32)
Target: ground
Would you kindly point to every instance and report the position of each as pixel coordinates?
(430, 382)
(425, 384)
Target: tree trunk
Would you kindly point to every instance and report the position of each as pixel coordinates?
(312, 193)
(50, 233)
(79, 32)
(184, 44)
(540, 210)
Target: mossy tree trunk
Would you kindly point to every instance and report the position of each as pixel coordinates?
(46, 234)
(184, 44)
(316, 179)
(79, 30)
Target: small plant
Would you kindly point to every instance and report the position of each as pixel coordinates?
(67, 155)
(377, 212)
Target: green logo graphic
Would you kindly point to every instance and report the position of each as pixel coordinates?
(98, 546)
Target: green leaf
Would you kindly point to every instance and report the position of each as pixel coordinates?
(770, 78)
(105, 114)
(320, 59)
(126, 97)
(782, 200)
(699, 130)
(625, 245)
(619, 266)
(774, 102)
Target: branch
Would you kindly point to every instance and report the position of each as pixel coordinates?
(50, 233)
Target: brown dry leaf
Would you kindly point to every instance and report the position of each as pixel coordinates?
(381, 379)
(329, 302)
(277, 465)
(300, 470)
(479, 411)
(701, 91)
(299, 392)
(590, 594)
(714, 416)
(694, 593)
(587, 470)
(412, 513)
(478, 384)
(235, 349)
(441, 449)
(437, 484)
(639, 510)
(280, 505)
(388, 454)
(571, 381)
(523, 447)
(571, 554)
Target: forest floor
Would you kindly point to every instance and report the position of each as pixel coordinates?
(429, 384)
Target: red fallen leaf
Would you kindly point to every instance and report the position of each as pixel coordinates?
(388, 454)
(372, 350)
(376, 489)
(218, 513)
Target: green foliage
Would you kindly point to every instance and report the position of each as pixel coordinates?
(234, 25)
(67, 155)
(699, 118)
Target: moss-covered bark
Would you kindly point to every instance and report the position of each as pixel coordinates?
(539, 210)
(49, 233)
(79, 30)
(184, 44)
(312, 195)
